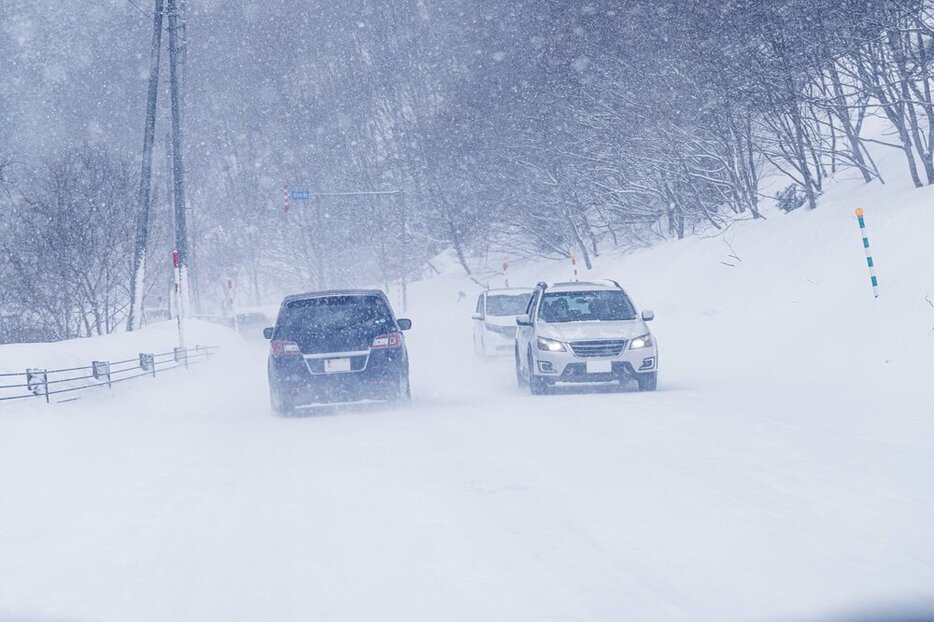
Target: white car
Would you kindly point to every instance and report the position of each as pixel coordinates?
(494, 318)
(584, 332)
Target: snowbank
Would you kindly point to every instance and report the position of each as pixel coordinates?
(157, 337)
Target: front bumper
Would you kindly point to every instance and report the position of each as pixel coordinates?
(569, 367)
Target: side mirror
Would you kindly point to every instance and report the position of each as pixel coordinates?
(648, 315)
(404, 323)
(477, 316)
(523, 320)
(267, 332)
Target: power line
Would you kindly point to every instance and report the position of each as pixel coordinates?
(150, 18)
(141, 10)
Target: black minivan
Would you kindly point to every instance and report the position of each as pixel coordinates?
(336, 346)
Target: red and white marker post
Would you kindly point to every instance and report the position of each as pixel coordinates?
(574, 264)
(285, 204)
(506, 271)
(179, 313)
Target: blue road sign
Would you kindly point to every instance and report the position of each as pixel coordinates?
(300, 195)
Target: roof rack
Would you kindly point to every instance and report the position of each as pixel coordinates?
(613, 283)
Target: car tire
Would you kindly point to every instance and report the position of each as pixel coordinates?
(647, 382)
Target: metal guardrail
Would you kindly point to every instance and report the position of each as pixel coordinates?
(44, 383)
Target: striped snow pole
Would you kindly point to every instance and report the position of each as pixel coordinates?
(574, 264)
(872, 267)
(285, 199)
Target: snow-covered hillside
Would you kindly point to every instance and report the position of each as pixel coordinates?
(785, 306)
(782, 470)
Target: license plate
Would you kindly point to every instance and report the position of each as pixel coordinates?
(332, 366)
(599, 367)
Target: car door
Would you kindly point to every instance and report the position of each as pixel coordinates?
(524, 334)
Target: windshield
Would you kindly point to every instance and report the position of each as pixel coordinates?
(333, 313)
(502, 304)
(598, 306)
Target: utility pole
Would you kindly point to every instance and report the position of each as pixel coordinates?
(405, 267)
(137, 286)
(178, 171)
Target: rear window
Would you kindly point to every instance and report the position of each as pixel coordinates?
(502, 304)
(598, 306)
(333, 313)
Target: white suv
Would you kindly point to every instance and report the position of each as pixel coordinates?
(584, 332)
(494, 320)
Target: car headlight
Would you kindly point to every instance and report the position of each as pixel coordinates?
(550, 345)
(644, 341)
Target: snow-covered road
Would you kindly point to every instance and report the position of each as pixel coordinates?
(477, 501)
(783, 471)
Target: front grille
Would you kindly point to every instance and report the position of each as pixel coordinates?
(596, 348)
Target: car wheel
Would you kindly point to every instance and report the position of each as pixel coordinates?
(647, 382)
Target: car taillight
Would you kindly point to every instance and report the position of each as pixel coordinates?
(390, 340)
(285, 348)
